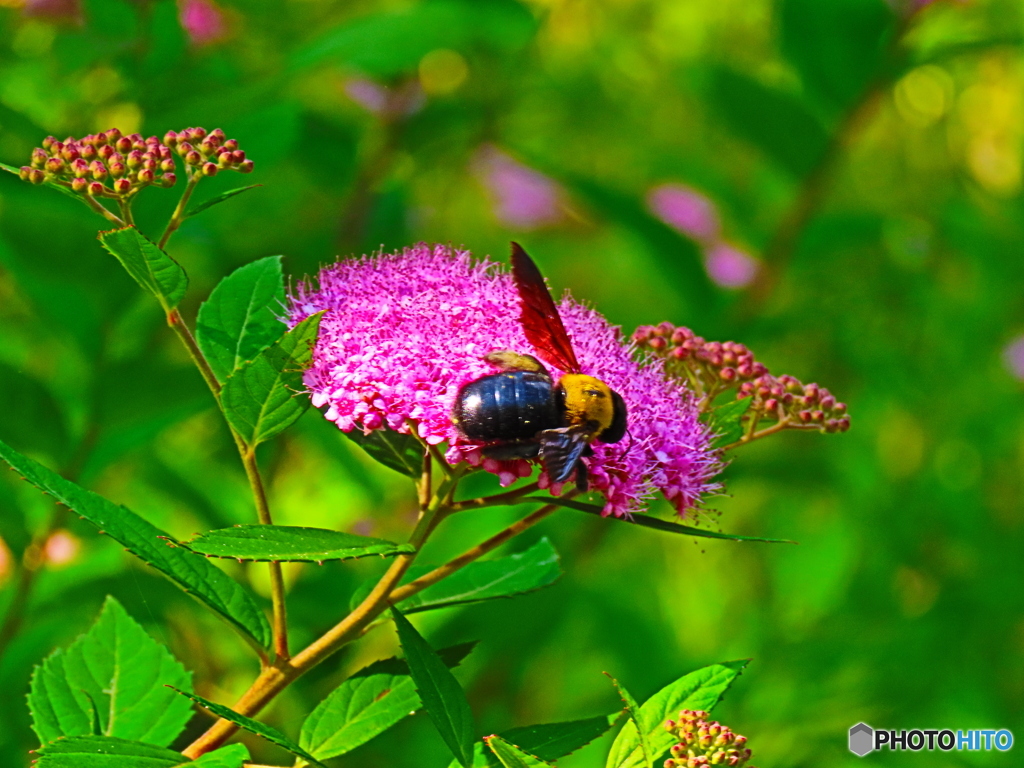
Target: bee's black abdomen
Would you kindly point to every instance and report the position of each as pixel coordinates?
(514, 405)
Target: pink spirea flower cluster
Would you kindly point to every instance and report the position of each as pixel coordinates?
(404, 332)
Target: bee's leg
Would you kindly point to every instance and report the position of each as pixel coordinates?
(519, 449)
(582, 482)
(588, 451)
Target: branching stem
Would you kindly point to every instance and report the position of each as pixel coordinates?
(179, 211)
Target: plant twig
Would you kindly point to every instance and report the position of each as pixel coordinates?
(179, 211)
(500, 499)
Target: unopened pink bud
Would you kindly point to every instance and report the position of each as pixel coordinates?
(48, 142)
(170, 139)
(210, 169)
(167, 165)
(168, 180)
(771, 404)
(88, 152)
(246, 166)
(727, 374)
(122, 186)
(658, 343)
(97, 170)
(134, 159)
(113, 135)
(54, 165)
(117, 169)
(79, 167)
(193, 158)
(146, 176)
(207, 147)
(70, 153)
(79, 184)
(231, 144)
(804, 416)
(105, 152)
(238, 156)
(39, 158)
(124, 145)
(95, 188)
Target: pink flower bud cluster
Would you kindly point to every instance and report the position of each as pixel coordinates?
(713, 367)
(208, 153)
(704, 743)
(110, 164)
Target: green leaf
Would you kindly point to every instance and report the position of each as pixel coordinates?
(260, 398)
(726, 421)
(151, 268)
(231, 756)
(392, 42)
(106, 752)
(290, 544)
(397, 451)
(240, 319)
(115, 673)
(192, 572)
(837, 46)
(702, 689)
(772, 120)
(639, 733)
(550, 741)
(649, 522)
(367, 704)
(512, 756)
(200, 207)
(443, 697)
(11, 169)
(253, 726)
(517, 574)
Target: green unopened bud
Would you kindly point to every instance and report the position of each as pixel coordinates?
(24, 172)
(79, 185)
(245, 166)
(210, 169)
(36, 176)
(122, 186)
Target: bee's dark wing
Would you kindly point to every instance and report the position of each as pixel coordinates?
(540, 318)
(561, 449)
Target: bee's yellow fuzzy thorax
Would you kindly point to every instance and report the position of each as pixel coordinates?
(588, 402)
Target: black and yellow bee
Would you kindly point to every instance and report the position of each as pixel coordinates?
(522, 412)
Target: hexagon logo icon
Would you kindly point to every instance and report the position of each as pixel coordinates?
(862, 739)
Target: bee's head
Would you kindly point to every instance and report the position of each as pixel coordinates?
(590, 402)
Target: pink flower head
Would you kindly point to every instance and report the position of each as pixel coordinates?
(398, 101)
(203, 21)
(685, 210)
(730, 267)
(523, 198)
(1013, 357)
(404, 332)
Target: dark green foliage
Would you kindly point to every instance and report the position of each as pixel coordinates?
(290, 544)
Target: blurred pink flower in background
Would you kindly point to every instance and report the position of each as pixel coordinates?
(684, 209)
(523, 198)
(203, 21)
(730, 267)
(694, 215)
(397, 101)
(1013, 357)
(6, 561)
(62, 548)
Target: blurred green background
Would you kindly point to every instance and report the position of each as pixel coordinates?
(861, 159)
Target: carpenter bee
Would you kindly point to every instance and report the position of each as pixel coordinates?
(521, 411)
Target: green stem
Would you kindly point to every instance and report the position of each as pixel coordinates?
(179, 211)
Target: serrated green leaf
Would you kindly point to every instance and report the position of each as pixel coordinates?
(151, 268)
(367, 704)
(443, 698)
(231, 756)
(262, 730)
(701, 689)
(261, 398)
(217, 199)
(402, 453)
(290, 544)
(106, 752)
(512, 756)
(517, 574)
(550, 741)
(726, 421)
(240, 319)
(639, 732)
(650, 522)
(114, 674)
(773, 120)
(192, 572)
